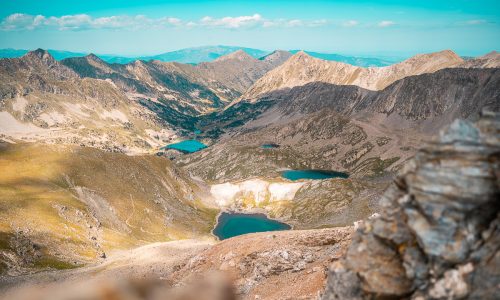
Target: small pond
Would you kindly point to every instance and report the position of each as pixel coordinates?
(312, 174)
(233, 224)
(187, 146)
(270, 146)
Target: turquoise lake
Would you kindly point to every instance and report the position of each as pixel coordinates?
(187, 146)
(233, 224)
(312, 174)
(270, 146)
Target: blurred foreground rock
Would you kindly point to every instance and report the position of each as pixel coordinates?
(213, 287)
(438, 233)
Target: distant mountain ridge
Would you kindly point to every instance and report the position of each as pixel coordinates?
(302, 68)
(352, 60)
(196, 55)
(203, 54)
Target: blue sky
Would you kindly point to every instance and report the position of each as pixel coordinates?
(348, 27)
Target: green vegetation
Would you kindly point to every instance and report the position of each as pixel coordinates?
(50, 262)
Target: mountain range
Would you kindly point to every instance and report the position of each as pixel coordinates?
(201, 54)
(85, 174)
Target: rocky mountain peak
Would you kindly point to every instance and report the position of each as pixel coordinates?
(237, 55)
(94, 57)
(301, 56)
(40, 55)
(438, 234)
(277, 57)
(489, 60)
(491, 54)
(436, 58)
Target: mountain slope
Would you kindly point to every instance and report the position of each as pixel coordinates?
(63, 206)
(187, 89)
(152, 80)
(301, 69)
(489, 60)
(43, 100)
(239, 70)
(346, 128)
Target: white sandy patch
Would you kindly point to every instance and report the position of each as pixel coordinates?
(53, 118)
(19, 104)
(259, 190)
(76, 109)
(284, 191)
(115, 115)
(11, 126)
(159, 138)
(224, 193)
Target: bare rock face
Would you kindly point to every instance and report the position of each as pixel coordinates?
(437, 236)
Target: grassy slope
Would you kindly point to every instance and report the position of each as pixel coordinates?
(69, 204)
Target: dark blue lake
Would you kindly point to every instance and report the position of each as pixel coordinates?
(312, 174)
(233, 224)
(187, 146)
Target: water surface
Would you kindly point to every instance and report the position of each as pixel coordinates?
(270, 146)
(312, 174)
(233, 224)
(187, 146)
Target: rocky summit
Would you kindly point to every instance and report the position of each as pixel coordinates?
(437, 233)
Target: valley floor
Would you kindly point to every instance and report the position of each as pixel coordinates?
(256, 264)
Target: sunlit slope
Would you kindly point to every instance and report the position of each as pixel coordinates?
(62, 206)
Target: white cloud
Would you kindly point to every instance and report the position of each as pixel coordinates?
(233, 22)
(350, 23)
(385, 23)
(85, 22)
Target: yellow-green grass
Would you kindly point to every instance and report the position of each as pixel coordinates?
(132, 200)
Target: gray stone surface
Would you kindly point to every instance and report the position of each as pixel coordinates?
(437, 236)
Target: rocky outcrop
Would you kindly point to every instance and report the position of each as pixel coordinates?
(437, 236)
(263, 265)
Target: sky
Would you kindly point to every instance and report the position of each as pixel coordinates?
(146, 27)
